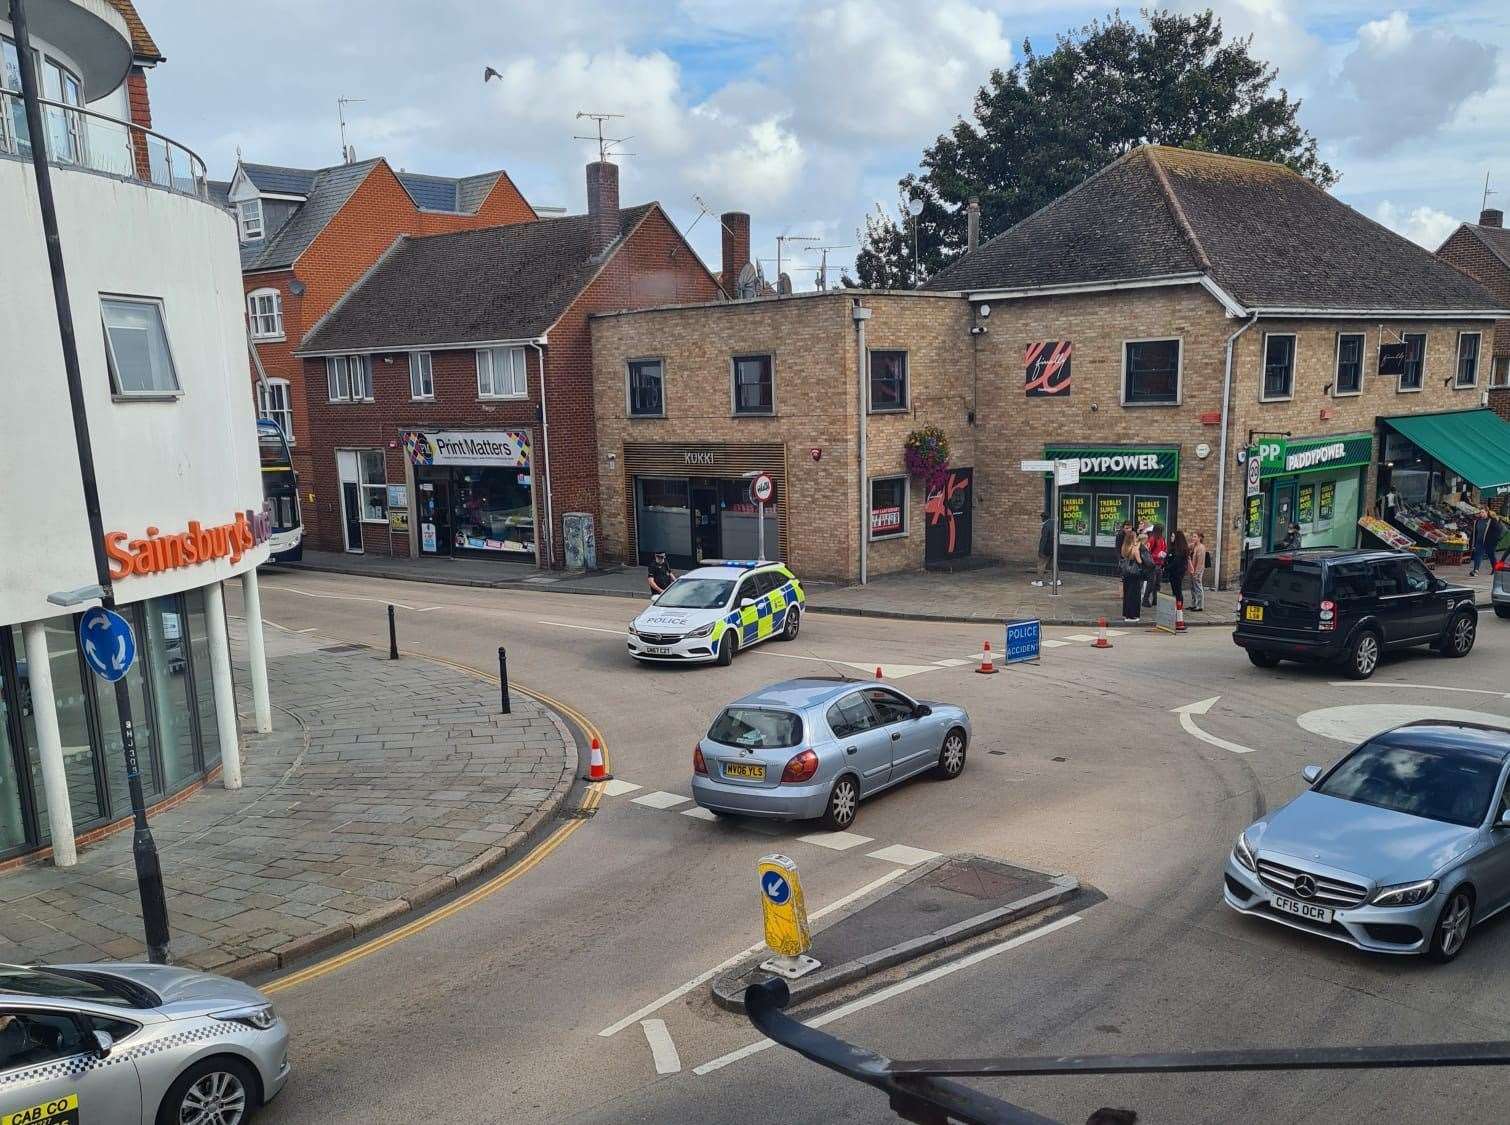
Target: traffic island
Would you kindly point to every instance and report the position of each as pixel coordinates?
(939, 903)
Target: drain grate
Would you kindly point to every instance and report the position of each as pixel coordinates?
(576, 814)
(345, 648)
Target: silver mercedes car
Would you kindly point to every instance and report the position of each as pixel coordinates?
(1401, 847)
(135, 1044)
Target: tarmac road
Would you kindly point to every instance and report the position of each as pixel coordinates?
(1078, 765)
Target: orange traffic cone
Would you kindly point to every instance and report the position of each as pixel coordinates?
(596, 770)
(1102, 640)
(985, 660)
(1179, 616)
(878, 672)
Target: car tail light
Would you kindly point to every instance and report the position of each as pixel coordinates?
(800, 768)
(1328, 616)
(1499, 566)
(698, 765)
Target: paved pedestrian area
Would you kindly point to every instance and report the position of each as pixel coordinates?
(384, 785)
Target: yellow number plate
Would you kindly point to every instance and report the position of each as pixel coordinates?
(1253, 613)
(752, 773)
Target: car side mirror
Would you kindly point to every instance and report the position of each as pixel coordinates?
(104, 1043)
(1310, 773)
(654, 599)
(746, 603)
(1504, 820)
(922, 710)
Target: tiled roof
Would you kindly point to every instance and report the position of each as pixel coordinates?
(1497, 239)
(473, 191)
(220, 191)
(280, 180)
(430, 193)
(142, 46)
(1266, 235)
(328, 193)
(497, 283)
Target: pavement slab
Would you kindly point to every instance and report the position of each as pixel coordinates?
(352, 809)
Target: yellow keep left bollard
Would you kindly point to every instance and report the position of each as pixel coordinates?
(785, 912)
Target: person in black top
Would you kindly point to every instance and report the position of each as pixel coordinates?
(660, 575)
(1291, 541)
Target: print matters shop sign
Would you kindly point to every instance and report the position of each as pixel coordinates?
(468, 447)
(1124, 462)
(1283, 457)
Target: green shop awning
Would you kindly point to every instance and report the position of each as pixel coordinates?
(1475, 444)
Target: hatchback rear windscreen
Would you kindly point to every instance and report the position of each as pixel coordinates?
(1298, 583)
(756, 728)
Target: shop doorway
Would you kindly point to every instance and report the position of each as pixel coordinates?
(435, 516)
(947, 522)
(707, 537)
(351, 499)
(1282, 512)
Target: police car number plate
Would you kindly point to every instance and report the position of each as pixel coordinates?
(657, 650)
(743, 770)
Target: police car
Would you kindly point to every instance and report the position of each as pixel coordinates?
(712, 612)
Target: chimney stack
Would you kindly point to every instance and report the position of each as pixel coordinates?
(602, 204)
(972, 218)
(736, 248)
(1491, 217)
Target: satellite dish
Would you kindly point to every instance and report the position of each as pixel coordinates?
(914, 207)
(784, 284)
(748, 284)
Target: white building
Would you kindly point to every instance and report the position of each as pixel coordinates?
(154, 284)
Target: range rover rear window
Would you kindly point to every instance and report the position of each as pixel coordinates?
(1283, 580)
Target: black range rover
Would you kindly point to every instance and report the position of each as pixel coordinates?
(1348, 606)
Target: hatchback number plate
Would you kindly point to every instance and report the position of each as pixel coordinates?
(1253, 613)
(1302, 909)
(750, 772)
(657, 650)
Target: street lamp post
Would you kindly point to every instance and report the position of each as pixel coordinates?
(149, 876)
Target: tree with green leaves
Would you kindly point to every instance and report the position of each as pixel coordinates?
(1052, 120)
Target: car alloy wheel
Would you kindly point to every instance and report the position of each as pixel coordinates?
(1365, 656)
(842, 802)
(1461, 641)
(727, 648)
(793, 625)
(1453, 927)
(217, 1098)
(952, 756)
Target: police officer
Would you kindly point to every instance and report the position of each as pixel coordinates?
(660, 575)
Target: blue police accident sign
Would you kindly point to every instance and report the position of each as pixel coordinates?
(107, 641)
(1022, 640)
(775, 888)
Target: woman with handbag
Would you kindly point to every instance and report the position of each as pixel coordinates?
(1130, 567)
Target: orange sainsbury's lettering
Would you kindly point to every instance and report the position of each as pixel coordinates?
(196, 544)
(120, 558)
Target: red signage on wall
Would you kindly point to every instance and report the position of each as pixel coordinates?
(156, 552)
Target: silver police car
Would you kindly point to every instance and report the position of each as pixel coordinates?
(135, 1044)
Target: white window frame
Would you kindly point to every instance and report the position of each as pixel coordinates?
(870, 381)
(250, 222)
(364, 486)
(263, 324)
(176, 391)
(345, 376)
(1457, 362)
(489, 378)
(284, 414)
(1179, 374)
(734, 411)
(1400, 387)
(870, 501)
(1337, 365)
(421, 376)
(1499, 372)
(1263, 366)
(629, 411)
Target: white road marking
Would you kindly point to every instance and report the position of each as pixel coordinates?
(275, 625)
(1361, 721)
(662, 1049)
(903, 986)
(836, 841)
(699, 813)
(901, 853)
(356, 598)
(703, 978)
(1116, 632)
(1080, 638)
(1050, 642)
(584, 628)
(660, 799)
(616, 788)
(1423, 687)
(951, 663)
(1188, 723)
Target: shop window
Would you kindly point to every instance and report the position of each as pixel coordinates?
(136, 346)
(373, 477)
(13, 833)
(1413, 376)
(1468, 359)
(1499, 371)
(168, 671)
(204, 686)
(69, 700)
(264, 314)
(888, 381)
(144, 729)
(1151, 373)
(1349, 377)
(273, 401)
(421, 375)
(888, 507)
(646, 388)
(501, 374)
(494, 510)
(1279, 367)
(348, 378)
(754, 384)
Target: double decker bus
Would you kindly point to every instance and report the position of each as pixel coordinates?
(280, 488)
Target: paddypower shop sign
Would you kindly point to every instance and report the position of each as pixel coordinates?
(1282, 457)
(1131, 462)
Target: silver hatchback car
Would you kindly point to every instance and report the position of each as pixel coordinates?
(1401, 847)
(133, 1044)
(816, 747)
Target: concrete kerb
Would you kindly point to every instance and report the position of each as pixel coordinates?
(728, 987)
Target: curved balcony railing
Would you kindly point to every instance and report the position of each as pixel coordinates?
(84, 138)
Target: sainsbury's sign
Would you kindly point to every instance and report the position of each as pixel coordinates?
(156, 552)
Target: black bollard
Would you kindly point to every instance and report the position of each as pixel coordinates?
(503, 677)
(392, 636)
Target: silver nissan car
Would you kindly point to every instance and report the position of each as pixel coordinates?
(134, 1044)
(1401, 847)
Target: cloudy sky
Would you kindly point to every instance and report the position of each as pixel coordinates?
(803, 112)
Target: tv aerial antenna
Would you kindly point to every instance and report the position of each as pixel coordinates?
(781, 241)
(1484, 203)
(605, 144)
(823, 261)
(348, 154)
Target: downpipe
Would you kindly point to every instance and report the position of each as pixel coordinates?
(1221, 468)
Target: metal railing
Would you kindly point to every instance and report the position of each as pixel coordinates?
(84, 138)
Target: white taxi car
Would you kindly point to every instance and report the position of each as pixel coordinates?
(712, 612)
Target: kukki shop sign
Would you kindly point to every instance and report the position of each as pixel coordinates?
(156, 551)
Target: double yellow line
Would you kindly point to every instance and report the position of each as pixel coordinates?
(535, 856)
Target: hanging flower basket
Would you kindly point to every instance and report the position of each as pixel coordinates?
(927, 457)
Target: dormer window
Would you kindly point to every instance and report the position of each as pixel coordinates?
(249, 219)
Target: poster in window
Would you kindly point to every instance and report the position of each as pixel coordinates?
(427, 537)
(1326, 503)
(1047, 367)
(1112, 511)
(1150, 510)
(398, 520)
(398, 496)
(1253, 536)
(1075, 519)
(1305, 506)
(885, 521)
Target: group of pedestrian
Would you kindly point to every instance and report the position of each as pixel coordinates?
(1484, 539)
(1146, 559)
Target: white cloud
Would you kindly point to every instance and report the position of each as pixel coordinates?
(1425, 226)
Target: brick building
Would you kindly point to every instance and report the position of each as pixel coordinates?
(449, 391)
(1482, 251)
(308, 235)
(1154, 323)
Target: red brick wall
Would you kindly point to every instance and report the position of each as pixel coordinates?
(140, 110)
(1467, 252)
